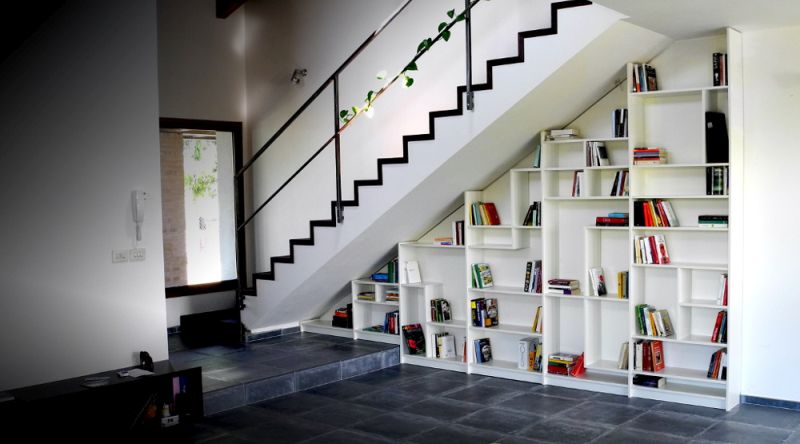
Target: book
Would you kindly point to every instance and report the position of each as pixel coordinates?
(483, 350)
(492, 312)
(413, 275)
(414, 339)
(657, 348)
(481, 276)
(537, 320)
(622, 361)
(716, 138)
(598, 281)
(649, 381)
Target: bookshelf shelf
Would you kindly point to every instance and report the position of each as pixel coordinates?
(378, 337)
(508, 329)
(358, 301)
(569, 245)
(324, 327)
(606, 366)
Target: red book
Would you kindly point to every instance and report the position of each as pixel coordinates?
(658, 356)
(648, 218)
(654, 249)
(647, 356)
(662, 214)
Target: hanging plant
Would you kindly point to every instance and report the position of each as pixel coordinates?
(202, 185)
(346, 115)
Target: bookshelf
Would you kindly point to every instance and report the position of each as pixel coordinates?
(368, 313)
(569, 244)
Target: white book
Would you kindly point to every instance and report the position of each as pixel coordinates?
(448, 349)
(598, 281)
(413, 275)
(637, 359)
(660, 324)
(523, 347)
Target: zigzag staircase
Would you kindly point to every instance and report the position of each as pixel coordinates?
(430, 135)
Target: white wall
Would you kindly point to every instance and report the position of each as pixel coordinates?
(200, 61)
(79, 119)
(772, 241)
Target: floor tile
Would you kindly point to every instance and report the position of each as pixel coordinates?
(345, 389)
(282, 429)
(679, 424)
(734, 432)
(562, 392)
(397, 425)
(689, 409)
(633, 402)
(539, 405)
(604, 413)
(348, 437)
(342, 414)
(389, 399)
(454, 434)
(483, 394)
(442, 409)
(765, 416)
(559, 430)
(296, 403)
(500, 420)
(623, 436)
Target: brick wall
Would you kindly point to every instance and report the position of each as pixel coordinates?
(174, 223)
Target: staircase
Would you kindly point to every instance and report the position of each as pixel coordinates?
(584, 45)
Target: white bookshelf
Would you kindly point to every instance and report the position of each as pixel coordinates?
(371, 313)
(569, 243)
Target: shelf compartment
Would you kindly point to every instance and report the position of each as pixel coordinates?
(690, 229)
(590, 198)
(324, 327)
(494, 247)
(526, 170)
(505, 369)
(594, 381)
(607, 298)
(605, 167)
(678, 165)
(624, 228)
(527, 227)
(685, 374)
(601, 139)
(490, 227)
(679, 92)
(672, 197)
(565, 296)
(378, 284)
(454, 364)
(420, 284)
(700, 395)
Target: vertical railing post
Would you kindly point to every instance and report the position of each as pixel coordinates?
(337, 146)
(468, 26)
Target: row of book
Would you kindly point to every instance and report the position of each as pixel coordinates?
(648, 356)
(530, 354)
(444, 345)
(368, 296)
(440, 310)
(717, 181)
(614, 219)
(343, 317)
(533, 277)
(718, 365)
(563, 134)
(644, 78)
(533, 217)
(620, 185)
(720, 332)
(595, 154)
(651, 250)
(712, 221)
(578, 183)
(654, 213)
(391, 275)
(458, 231)
(484, 214)
(563, 286)
(619, 122)
(481, 276)
(653, 322)
(566, 364)
(392, 295)
(722, 295)
(649, 156)
(719, 66)
(484, 312)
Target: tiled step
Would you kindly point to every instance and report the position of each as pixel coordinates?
(239, 376)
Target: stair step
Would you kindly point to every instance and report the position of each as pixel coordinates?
(250, 291)
(264, 275)
(306, 241)
(288, 259)
(322, 223)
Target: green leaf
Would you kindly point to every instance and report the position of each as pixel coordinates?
(451, 12)
(422, 45)
(343, 113)
(408, 82)
(446, 35)
(411, 67)
(370, 96)
(355, 110)
(461, 17)
(442, 26)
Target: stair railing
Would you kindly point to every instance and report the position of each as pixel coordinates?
(333, 79)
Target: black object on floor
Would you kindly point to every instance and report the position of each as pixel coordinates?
(221, 327)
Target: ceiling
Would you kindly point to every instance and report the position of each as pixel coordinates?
(682, 19)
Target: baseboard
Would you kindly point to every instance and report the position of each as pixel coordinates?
(768, 402)
(261, 335)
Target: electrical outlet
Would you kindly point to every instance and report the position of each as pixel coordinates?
(118, 256)
(137, 254)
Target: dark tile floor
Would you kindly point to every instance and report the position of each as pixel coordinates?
(414, 404)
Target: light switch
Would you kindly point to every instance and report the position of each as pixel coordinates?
(118, 256)
(137, 254)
